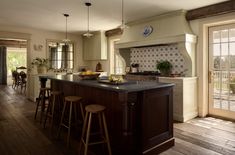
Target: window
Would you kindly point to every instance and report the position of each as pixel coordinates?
(61, 55)
(116, 61)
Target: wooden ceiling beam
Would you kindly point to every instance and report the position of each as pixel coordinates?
(13, 43)
(211, 10)
(113, 32)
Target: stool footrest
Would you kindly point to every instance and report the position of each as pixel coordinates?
(65, 125)
(94, 143)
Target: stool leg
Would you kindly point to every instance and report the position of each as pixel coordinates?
(106, 133)
(52, 111)
(42, 105)
(83, 132)
(70, 117)
(48, 109)
(75, 115)
(100, 123)
(88, 134)
(61, 120)
(81, 108)
(38, 102)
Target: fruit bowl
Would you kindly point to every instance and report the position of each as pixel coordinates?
(93, 76)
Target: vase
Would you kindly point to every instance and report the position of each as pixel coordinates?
(42, 69)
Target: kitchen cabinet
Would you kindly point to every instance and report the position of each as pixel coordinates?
(95, 47)
(185, 105)
(138, 115)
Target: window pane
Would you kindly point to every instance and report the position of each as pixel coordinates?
(216, 36)
(232, 62)
(216, 63)
(70, 56)
(216, 49)
(232, 35)
(224, 62)
(232, 48)
(224, 36)
(224, 49)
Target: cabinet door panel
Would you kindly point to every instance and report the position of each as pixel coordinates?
(157, 117)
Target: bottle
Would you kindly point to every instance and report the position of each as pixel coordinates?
(98, 67)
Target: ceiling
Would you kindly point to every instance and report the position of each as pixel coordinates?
(104, 14)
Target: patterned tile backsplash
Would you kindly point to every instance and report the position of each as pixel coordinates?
(147, 57)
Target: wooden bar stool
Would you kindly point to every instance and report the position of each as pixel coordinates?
(72, 101)
(90, 110)
(56, 101)
(44, 95)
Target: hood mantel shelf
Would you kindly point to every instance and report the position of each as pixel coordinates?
(171, 28)
(183, 38)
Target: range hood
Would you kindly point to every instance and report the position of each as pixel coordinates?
(170, 28)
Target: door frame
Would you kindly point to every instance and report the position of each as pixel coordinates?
(24, 36)
(200, 27)
(211, 110)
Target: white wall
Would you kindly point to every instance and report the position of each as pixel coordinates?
(39, 37)
(200, 28)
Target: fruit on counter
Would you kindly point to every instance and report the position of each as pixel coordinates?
(115, 78)
(88, 72)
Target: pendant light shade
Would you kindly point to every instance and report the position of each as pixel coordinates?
(66, 40)
(88, 34)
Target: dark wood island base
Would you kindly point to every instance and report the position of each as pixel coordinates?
(139, 116)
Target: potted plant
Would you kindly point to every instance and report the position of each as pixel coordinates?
(42, 65)
(164, 67)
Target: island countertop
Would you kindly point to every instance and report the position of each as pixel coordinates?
(131, 86)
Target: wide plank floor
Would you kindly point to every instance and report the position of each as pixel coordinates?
(21, 135)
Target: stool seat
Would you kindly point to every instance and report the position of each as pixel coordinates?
(94, 108)
(72, 98)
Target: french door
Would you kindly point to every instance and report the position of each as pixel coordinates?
(222, 71)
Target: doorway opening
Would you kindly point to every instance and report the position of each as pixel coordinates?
(15, 58)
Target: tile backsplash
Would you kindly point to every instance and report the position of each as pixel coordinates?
(147, 57)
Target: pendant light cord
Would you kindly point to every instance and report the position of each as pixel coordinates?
(122, 13)
(88, 17)
(66, 33)
(88, 34)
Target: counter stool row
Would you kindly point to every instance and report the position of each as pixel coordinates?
(53, 101)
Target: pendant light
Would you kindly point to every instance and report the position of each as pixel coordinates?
(88, 34)
(123, 25)
(66, 40)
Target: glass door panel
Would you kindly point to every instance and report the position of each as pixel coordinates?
(222, 71)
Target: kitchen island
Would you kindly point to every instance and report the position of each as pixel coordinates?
(139, 114)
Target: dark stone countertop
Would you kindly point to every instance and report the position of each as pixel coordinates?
(130, 86)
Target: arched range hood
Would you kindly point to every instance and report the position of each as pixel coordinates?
(170, 28)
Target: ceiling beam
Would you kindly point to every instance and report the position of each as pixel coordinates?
(113, 32)
(13, 43)
(211, 10)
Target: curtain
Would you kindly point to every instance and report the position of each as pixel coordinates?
(54, 57)
(65, 49)
(3, 65)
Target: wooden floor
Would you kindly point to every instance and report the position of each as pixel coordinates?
(21, 135)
